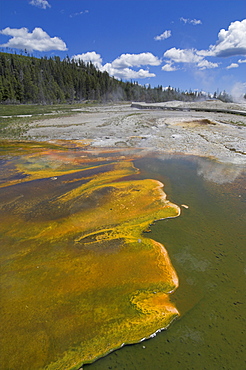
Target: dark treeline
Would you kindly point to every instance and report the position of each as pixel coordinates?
(27, 79)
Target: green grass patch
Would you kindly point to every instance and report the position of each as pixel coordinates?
(12, 126)
(37, 109)
(34, 109)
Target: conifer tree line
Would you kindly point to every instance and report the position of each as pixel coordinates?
(27, 79)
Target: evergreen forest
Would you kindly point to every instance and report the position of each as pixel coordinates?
(26, 79)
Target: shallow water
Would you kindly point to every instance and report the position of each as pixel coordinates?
(78, 276)
(206, 245)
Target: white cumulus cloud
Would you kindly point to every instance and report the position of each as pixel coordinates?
(165, 35)
(43, 4)
(205, 64)
(126, 73)
(168, 67)
(90, 56)
(122, 67)
(230, 42)
(135, 60)
(183, 55)
(35, 40)
(186, 56)
(232, 65)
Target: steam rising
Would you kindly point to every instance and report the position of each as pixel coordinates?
(238, 91)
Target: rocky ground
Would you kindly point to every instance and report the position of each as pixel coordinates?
(213, 134)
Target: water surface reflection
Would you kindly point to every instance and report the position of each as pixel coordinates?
(206, 245)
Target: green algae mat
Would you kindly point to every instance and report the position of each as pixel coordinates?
(79, 275)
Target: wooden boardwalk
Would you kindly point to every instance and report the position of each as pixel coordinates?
(187, 109)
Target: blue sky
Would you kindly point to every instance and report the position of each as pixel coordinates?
(198, 44)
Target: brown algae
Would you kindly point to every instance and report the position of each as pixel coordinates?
(78, 276)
